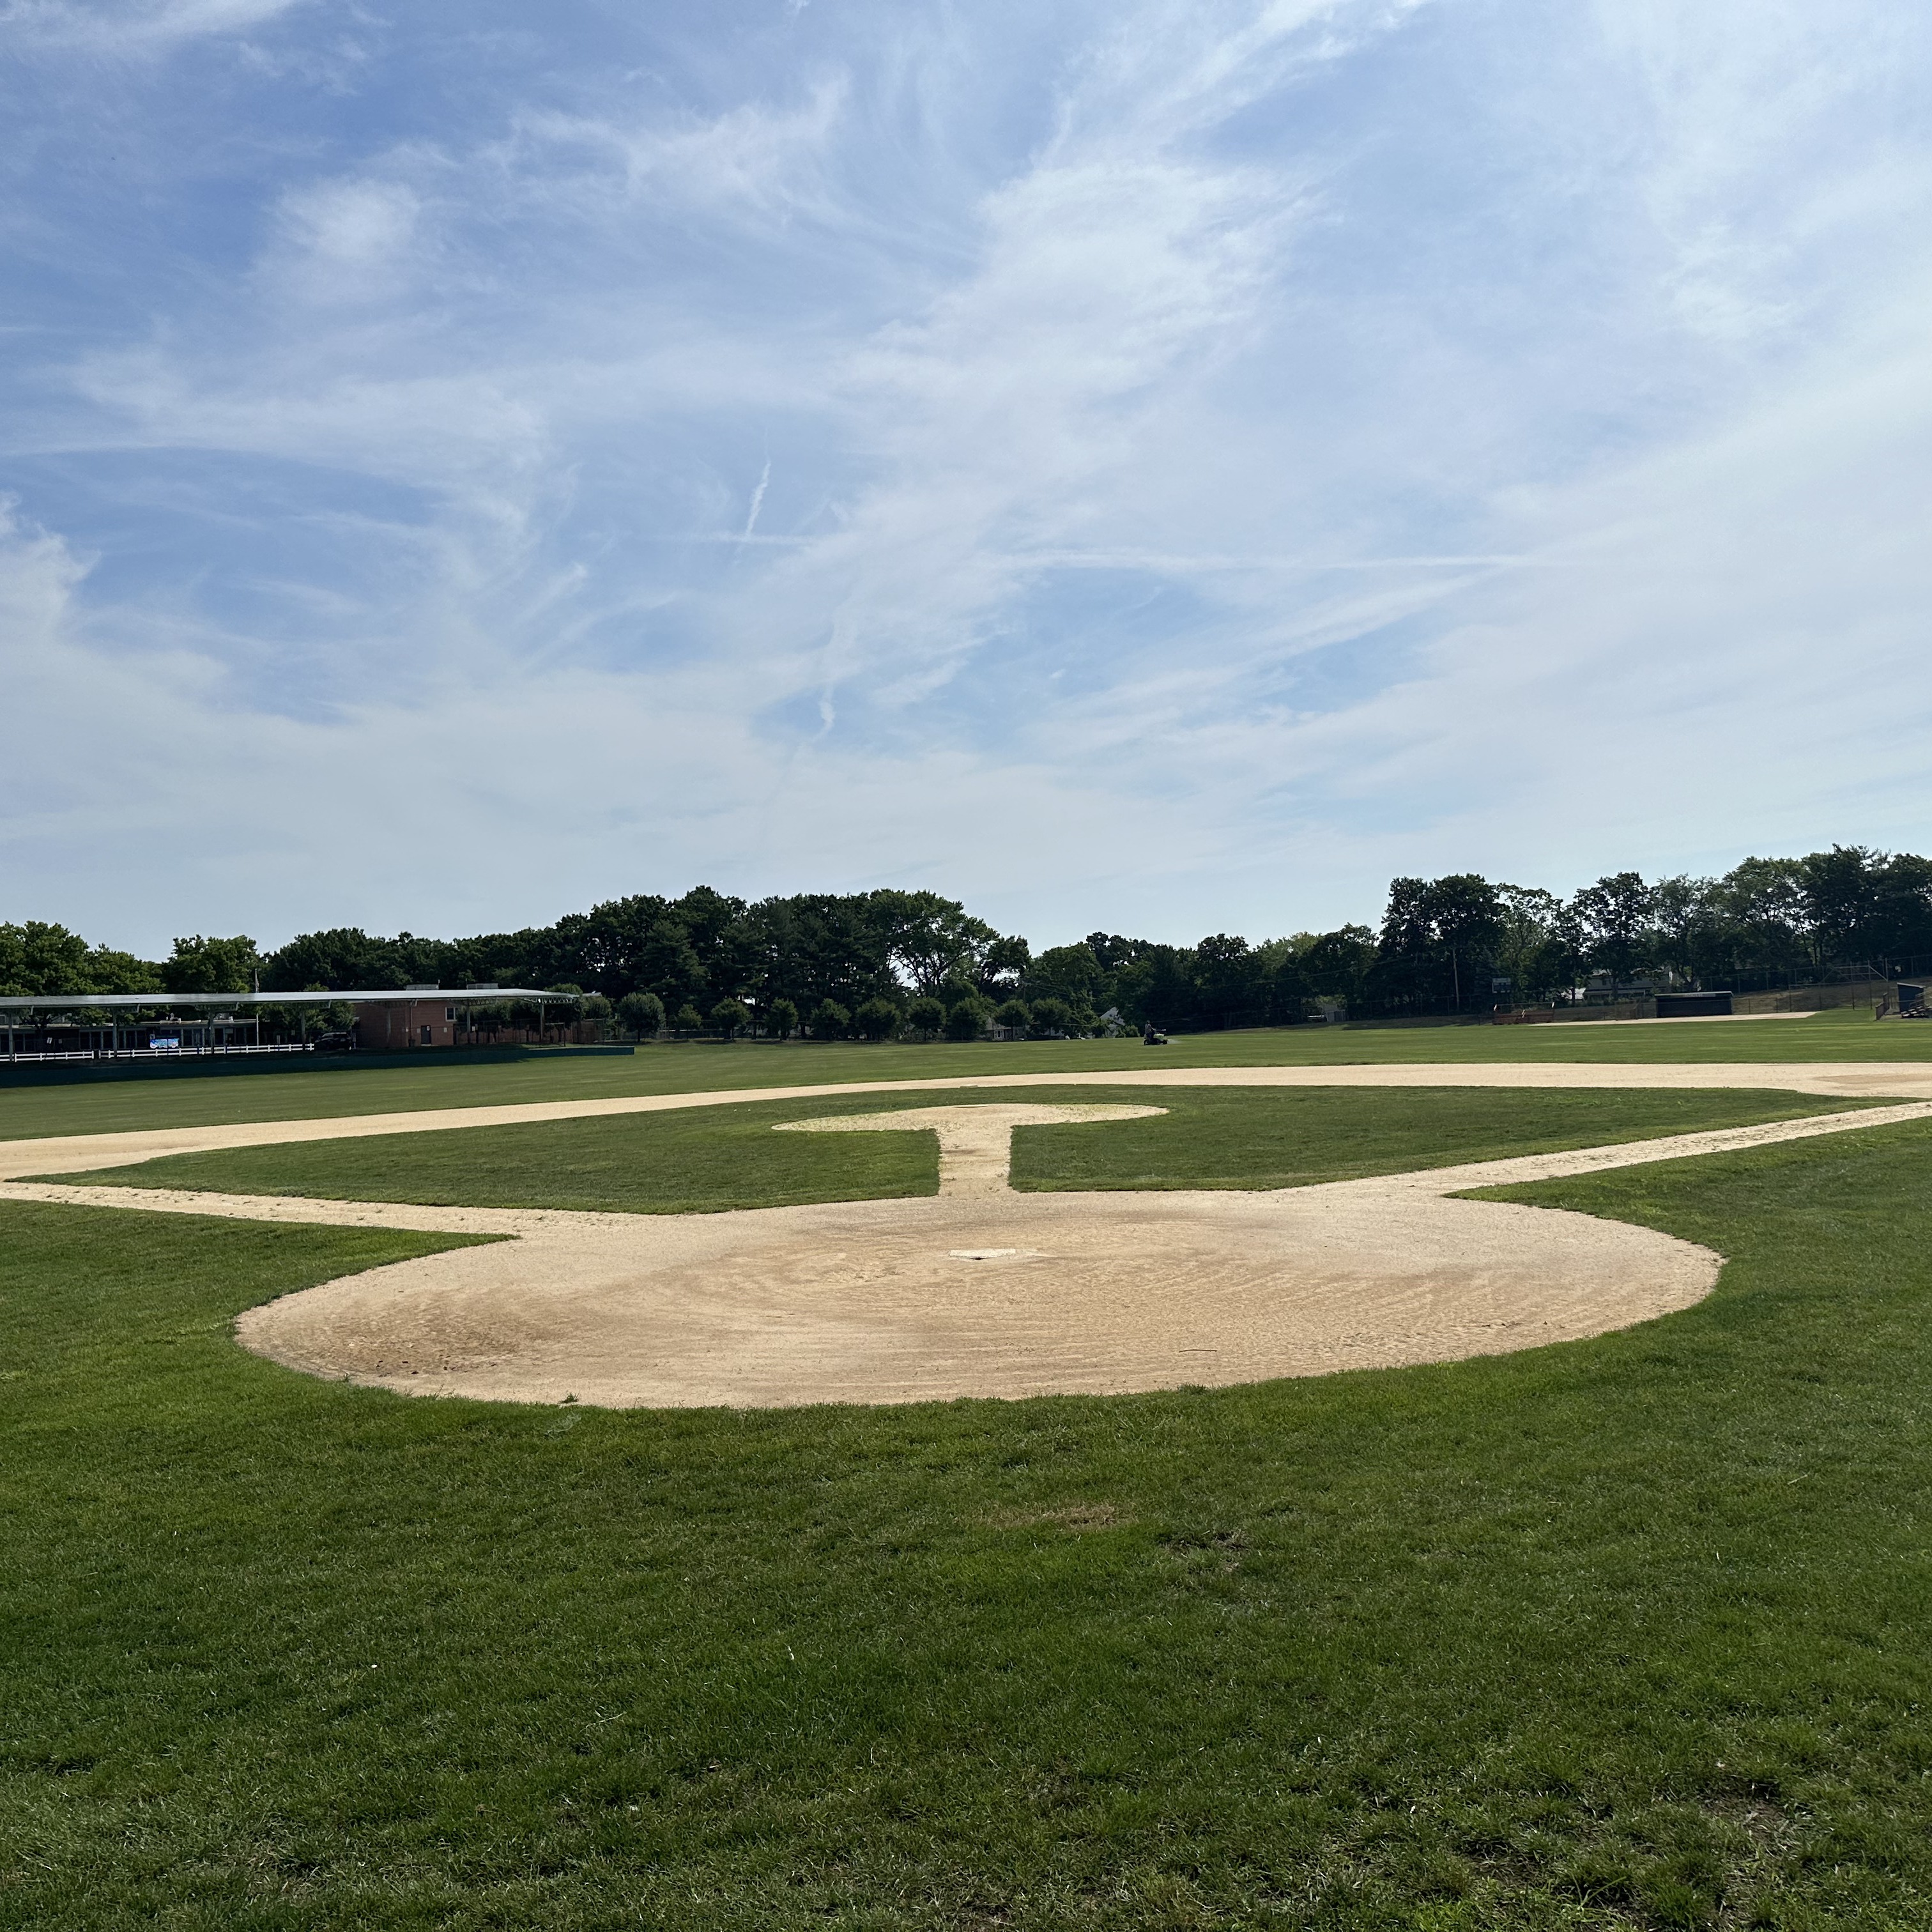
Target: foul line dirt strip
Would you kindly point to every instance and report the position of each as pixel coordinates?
(74, 1154)
(1519, 1169)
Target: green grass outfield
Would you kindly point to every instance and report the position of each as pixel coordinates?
(729, 1156)
(332, 1087)
(1629, 1633)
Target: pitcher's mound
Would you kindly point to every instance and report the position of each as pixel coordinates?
(894, 1301)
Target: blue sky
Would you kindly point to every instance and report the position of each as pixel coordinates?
(1166, 467)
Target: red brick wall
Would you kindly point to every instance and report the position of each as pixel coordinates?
(398, 1024)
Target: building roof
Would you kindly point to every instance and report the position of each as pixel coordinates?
(21, 1002)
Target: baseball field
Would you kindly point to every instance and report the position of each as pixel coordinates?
(1449, 1477)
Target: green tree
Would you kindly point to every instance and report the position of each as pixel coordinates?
(109, 971)
(1761, 901)
(1438, 941)
(1013, 1015)
(1469, 928)
(782, 1019)
(714, 923)
(1336, 964)
(1230, 978)
(1151, 982)
(1534, 951)
(729, 1017)
(668, 964)
(489, 1016)
(924, 1017)
(1685, 934)
(954, 988)
(600, 948)
(200, 965)
(967, 1020)
(815, 947)
(1068, 973)
(643, 1014)
(877, 1020)
(926, 936)
(1840, 892)
(1902, 914)
(345, 958)
(687, 1019)
(338, 1016)
(1003, 965)
(1051, 1018)
(1612, 916)
(1288, 991)
(830, 1021)
(37, 957)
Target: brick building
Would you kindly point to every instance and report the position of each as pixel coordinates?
(417, 1016)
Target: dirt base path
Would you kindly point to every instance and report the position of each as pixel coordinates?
(78, 1153)
(980, 1291)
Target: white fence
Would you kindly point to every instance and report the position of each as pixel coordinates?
(153, 1053)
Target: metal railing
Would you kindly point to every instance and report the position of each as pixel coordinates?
(153, 1053)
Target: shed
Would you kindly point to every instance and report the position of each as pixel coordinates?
(1693, 1005)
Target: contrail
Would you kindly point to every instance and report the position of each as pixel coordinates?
(757, 501)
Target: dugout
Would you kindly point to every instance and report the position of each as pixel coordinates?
(1693, 1005)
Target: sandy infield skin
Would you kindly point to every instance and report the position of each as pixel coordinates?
(980, 1291)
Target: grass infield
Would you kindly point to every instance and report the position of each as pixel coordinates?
(723, 1157)
(330, 1087)
(1627, 1633)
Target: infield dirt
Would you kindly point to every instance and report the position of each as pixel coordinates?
(982, 1292)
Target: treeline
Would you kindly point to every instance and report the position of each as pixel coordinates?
(883, 962)
(1843, 913)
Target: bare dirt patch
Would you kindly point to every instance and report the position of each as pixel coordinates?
(873, 1301)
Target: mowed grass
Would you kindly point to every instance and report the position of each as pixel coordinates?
(1232, 1137)
(698, 1161)
(1626, 1633)
(332, 1087)
(707, 1159)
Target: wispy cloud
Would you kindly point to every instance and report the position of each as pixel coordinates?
(1165, 467)
(756, 156)
(132, 26)
(354, 240)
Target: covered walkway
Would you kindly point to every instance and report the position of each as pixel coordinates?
(42, 1027)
